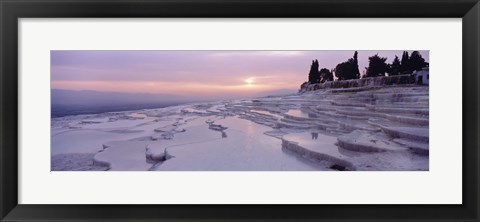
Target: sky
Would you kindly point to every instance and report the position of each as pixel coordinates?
(200, 74)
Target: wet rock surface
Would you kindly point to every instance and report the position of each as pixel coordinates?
(362, 128)
(76, 162)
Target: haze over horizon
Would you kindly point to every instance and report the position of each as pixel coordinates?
(204, 75)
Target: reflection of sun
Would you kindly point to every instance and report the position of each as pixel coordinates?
(249, 81)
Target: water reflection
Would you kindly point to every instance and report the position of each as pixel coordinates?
(301, 113)
(137, 115)
(297, 113)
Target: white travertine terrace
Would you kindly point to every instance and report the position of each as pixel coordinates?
(369, 128)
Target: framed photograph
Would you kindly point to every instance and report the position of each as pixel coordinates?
(227, 110)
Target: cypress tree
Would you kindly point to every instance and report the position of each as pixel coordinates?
(355, 66)
(314, 74)
(405, 64)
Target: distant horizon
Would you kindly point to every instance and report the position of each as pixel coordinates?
(183, 97)
(147, 93)
(82, 102)
(210, 75)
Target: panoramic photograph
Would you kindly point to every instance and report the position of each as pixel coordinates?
(233, 110)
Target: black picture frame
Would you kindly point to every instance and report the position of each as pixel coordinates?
(12, 10)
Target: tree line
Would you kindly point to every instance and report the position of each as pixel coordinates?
(377, 66)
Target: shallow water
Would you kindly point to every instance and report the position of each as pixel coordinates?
(245, 148)
(247, 137)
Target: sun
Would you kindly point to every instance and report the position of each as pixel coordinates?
(249, 81)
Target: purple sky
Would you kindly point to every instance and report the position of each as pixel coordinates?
(200, 73)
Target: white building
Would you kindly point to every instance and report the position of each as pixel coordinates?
(422, 76)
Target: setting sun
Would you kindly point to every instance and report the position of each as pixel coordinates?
(249, 81)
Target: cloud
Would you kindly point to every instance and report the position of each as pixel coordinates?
(249, 53)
